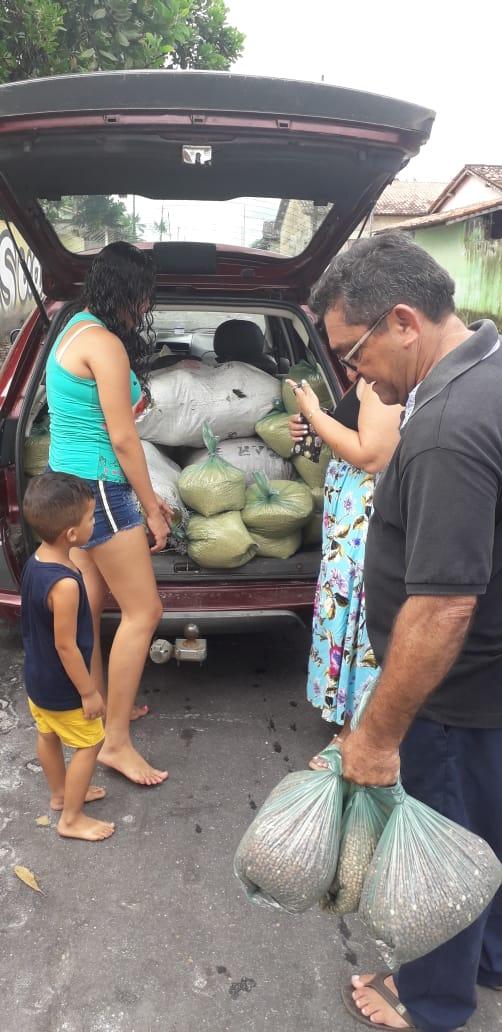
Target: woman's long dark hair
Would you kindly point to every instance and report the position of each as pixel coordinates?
(118, 286)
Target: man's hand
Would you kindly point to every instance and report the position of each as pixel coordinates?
(93, 705)
(366, 763)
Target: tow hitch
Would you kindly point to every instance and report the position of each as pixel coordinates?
(191, 648)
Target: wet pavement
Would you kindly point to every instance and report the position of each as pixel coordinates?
(150, 930)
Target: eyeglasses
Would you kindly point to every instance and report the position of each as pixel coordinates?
(345, 361)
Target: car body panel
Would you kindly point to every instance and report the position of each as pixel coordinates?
(124, 133)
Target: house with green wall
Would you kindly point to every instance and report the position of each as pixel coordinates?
(463, 232)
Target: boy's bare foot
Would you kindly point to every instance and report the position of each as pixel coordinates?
(93, 792)
(85, 828)
(139, 711)
(129, 763)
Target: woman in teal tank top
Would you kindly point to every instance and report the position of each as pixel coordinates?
(94, 376)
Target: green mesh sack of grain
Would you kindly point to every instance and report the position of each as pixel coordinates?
(318, 498)
(288, 856)
(276, 507)
(364, 819)
(305, 371)
(428, 880)
(313, 473)
(274, 430)
(213, 485)
(220, 541)
(36, 453)
(312, 531)
(278, 548)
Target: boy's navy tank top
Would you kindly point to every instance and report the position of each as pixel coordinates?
(46, 680)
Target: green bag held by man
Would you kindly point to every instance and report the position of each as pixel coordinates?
(428, 880)
(364, 819)
(213, 485)
(287, 857)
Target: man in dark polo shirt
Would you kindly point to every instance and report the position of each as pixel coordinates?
(433, 578)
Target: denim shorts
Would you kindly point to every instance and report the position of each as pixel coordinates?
(117, 508)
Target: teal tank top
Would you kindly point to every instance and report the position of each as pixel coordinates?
(80, 442)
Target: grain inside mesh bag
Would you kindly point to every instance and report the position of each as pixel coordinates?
(364, 819)
(276, 507)
(278, 548)
(313, 473)
(287, 857)
(428, 880)
(213, 485)
(274, 430)
(220, 542)
(305, 371)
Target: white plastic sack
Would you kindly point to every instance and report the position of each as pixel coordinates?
(164, 474)
(231, 397)
(251, 455)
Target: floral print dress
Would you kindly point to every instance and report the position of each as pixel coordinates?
(342, 663)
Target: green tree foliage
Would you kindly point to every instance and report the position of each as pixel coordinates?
(54, 37)
(99, 219)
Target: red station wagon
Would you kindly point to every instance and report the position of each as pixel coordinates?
(245, 188)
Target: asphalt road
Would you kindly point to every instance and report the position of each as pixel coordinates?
(150, 930)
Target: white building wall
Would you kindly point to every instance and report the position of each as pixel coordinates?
(470, 191)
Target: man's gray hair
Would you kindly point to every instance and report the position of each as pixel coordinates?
(379, 272)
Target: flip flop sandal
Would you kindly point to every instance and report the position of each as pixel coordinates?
(378, 984)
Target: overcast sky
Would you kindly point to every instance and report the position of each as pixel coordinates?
(437, 53)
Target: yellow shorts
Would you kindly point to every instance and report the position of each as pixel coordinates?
(69, 725)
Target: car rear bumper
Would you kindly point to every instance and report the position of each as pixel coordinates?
(217, 609)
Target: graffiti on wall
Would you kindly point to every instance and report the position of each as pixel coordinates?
(16, 299)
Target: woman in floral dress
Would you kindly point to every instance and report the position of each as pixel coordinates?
(362, 434)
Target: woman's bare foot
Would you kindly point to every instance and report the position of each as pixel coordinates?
(318, 762)
(94, 792)
(85, 828)
(139, 711)
(372, 1005)
(129, 763)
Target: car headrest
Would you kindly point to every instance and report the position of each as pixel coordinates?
(239, 340)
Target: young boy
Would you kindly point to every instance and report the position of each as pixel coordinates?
(58, 642)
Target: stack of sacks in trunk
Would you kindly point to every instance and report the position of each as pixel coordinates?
(250, 455)
(231, 397)
(216, 490)
(274, 513)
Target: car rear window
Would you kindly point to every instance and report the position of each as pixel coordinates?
(284, 226)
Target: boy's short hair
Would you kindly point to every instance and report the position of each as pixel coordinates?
(54, 502)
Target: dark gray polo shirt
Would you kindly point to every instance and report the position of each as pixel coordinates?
(437, 523)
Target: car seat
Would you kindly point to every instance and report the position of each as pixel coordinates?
(239, 340)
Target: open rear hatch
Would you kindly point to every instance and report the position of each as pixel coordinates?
(188, 140)
(204, 137)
